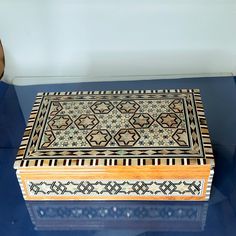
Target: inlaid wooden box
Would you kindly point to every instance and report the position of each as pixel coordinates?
(116, 145)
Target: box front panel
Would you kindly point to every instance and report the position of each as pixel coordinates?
(119, 186)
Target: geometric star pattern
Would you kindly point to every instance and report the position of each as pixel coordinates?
(98, 137)
(142, 120)
(168, 120)
(60, 122)
(86, 121)
(127, 137)
(128, 106)
(102, 107)
(108, 123)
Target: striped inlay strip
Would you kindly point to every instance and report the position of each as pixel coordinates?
(113, 162)
(209, 184)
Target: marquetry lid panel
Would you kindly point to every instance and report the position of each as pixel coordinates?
(109, 128)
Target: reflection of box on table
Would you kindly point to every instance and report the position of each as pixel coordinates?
(161, 216)
(119, 145)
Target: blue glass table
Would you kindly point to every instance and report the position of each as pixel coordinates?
(216, 217)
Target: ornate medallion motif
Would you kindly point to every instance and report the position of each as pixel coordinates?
(142, 120)
(168, 120)
(98, 137)
(60, 122)
(86, 121)
(127, 137)
(102, 107)
(128, 106)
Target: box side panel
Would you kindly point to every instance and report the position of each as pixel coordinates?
(169, 184)
(209, 184)
(22, 186)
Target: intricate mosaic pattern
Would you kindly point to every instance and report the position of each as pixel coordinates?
(116, 187)
(115, 124)
(154, 127)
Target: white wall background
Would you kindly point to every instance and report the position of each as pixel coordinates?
(97, 39)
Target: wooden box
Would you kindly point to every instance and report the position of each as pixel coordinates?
(116, 145)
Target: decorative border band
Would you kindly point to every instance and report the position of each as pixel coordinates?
(166, 187)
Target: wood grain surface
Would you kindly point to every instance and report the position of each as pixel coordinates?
(113, 173)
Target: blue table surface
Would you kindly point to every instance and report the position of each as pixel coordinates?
(216, 217)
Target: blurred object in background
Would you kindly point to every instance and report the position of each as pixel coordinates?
(2, 61)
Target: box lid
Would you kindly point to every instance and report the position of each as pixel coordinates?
(116, 128)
